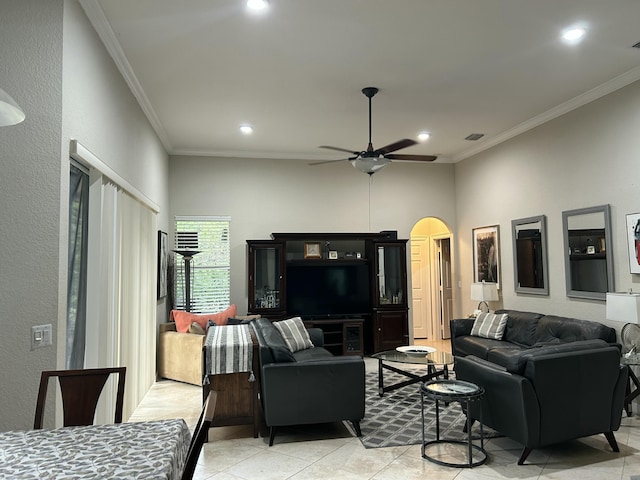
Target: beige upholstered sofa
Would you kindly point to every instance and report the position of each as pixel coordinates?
(180, 354)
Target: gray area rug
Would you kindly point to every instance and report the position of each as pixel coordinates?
(395, 420)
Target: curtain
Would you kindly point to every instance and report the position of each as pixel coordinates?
(77, 268)
(125, 294)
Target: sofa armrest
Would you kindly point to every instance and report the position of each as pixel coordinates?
(180, 356)
(461, 326)
(313, 392)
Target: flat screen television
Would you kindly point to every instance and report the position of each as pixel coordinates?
(328, 290)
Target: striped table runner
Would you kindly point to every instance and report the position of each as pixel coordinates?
(229, 349)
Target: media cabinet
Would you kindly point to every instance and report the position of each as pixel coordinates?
(352, 285)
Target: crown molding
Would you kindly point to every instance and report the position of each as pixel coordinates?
(589, 96)
(96, 16)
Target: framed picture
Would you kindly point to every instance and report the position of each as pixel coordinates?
(333, 254)
(633, 241)
(486, 255)
(312, 250)
(163, 258)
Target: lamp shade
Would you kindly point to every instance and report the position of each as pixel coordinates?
(623, 307)
(10, 112)
(484, 292)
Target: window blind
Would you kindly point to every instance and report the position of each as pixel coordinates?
(210, 268)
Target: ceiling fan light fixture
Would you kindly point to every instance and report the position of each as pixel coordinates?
(369, 165)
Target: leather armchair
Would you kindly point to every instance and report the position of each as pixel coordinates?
(550, 395)
(312, 386)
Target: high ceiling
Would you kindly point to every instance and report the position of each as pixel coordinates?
(200, 68)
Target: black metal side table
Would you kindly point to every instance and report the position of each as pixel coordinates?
(453, 391)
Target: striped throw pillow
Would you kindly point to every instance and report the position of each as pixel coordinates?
(294, 334)
(489, 325)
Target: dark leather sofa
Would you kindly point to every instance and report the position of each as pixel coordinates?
(308, 386)
(550, 385)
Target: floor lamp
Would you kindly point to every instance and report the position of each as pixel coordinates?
(187, 256)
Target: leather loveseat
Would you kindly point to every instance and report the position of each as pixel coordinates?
(550, 380)
(308, 386)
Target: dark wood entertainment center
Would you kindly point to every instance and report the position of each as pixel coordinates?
(352, 285)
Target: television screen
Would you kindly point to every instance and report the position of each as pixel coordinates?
(331, 290)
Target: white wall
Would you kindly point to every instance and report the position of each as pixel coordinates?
(265, 196)
(588, 157)
(56, 69)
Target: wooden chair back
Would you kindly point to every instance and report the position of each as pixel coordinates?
(200, 435)
(81, 390)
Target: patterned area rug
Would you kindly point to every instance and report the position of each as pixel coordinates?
(394, 419)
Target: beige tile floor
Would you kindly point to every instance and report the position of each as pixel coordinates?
(331, 452)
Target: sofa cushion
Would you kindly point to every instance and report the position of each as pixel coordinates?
(294, 334)
(552, 329)
(196, 328)
(489, 325)
(312, 354)
(521, 327)
(478, 346)
(274, 341)
(185, 319)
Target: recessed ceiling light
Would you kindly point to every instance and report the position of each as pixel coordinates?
(424, 136)
(257, 5)
(246, 129)
(574, 34)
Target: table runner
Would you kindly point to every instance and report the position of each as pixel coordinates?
(149, 450)
(228, 349)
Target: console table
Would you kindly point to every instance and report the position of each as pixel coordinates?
(237, 393)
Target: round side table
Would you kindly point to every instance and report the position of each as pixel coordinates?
(453, 391)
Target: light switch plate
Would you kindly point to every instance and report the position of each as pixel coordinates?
(41, 336)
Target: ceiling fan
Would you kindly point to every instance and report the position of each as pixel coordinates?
(371, 161)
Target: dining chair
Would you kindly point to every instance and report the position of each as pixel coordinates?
(81, 390)
(200, 435)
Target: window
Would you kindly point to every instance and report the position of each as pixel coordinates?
(210, 270)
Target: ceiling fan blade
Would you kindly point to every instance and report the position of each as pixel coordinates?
(328, 161)
(392, 147)
(412, 158)
(340, 149)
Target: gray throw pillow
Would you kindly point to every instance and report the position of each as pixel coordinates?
(294, 334)
(489, 325)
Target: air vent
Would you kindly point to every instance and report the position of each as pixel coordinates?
(474, 136)
(637, 45)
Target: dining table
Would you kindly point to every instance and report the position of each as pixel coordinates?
(125, 451)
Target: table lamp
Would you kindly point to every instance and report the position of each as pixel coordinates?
(625, 308)
(484, 292)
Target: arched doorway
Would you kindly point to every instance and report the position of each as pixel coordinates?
(431, 279)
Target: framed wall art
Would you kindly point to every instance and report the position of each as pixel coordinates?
(312, 250)
(633, 241)
(163, 258)
(486, 255)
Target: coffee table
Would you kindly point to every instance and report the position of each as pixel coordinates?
(431, 360)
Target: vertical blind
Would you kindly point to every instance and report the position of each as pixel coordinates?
(210, 269)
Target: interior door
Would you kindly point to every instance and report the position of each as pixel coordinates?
(445, 287)
(421, 304)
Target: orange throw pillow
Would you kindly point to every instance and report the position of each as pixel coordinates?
(185, 319)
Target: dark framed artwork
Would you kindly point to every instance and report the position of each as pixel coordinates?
(163, 258)
(486, 255)
(633, 241)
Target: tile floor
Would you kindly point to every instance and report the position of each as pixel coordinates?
(331, 452)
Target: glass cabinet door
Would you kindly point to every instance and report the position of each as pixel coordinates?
(266, 265)
(390, 274)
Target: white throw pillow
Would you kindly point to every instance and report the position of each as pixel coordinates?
(489, 325)
(294, 334)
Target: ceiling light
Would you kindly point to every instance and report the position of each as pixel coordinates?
(370, 165)
(574, 34)
(424, 136)
(257, 5)
(10, 112)
(246, 129)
